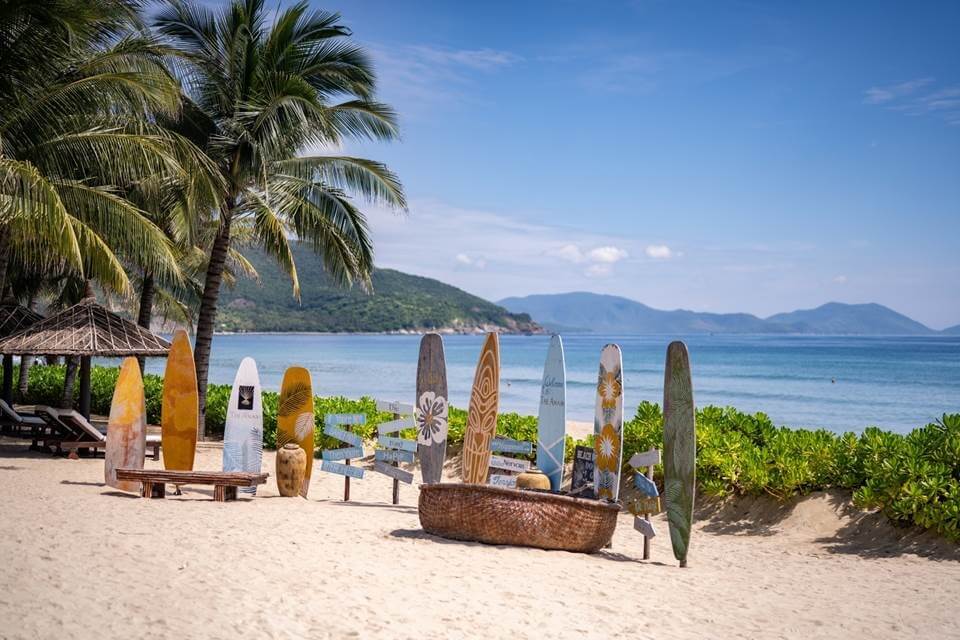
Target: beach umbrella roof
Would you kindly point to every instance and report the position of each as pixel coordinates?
(14, 318)
(85, 329)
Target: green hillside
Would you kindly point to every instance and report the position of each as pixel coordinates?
(399, 302)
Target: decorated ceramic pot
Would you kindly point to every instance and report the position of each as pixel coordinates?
(291, 467)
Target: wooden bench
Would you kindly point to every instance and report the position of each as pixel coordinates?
(153, 483)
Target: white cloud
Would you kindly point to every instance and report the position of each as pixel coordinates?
(467, 261)
(481, 59)
(568, 252)
(598, 270)
(658, 251)
(607, 255)
(881, 95)
(840, 279)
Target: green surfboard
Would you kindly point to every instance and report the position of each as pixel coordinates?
(679, 448)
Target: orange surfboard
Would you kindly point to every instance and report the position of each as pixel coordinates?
(295, 417)
(482, 417)
(127, 428)
(180, 411)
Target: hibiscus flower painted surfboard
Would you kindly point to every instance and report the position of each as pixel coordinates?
(431, 408)
(552, 419)
(295, 417)
(127, 427)
(679, 448)
(179, 413)
(482, 416)
(608, 424)
(243, 433)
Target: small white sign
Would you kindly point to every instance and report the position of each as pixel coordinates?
(645, 459)
(498, 480)
(395, 425)
(644, 526)
(509, 464)
(394, 407)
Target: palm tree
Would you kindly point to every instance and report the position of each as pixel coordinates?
(260, 94)
(78, 84)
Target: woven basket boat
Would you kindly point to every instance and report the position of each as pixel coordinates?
(497, 515)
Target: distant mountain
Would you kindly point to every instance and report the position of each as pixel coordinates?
(400, 302)
(839, 318)
(952, 331)
(598, 313)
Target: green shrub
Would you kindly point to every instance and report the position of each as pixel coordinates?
(912, 478)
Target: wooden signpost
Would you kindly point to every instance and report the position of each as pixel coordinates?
(395, 449)
(649, 504)
(355, 450)
(502, 463)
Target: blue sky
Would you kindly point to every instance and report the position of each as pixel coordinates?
(738, 156)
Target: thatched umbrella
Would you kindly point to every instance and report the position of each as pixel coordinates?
(14, 318)
(86, 329)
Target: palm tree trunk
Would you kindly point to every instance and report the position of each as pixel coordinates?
(208, 311)
(4, 256)
(73, 365)
(26, 361)
(145, 315)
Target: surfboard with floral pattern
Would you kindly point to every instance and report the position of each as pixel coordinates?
(295, 417)
(608, 424)
(431, 410)
(679, 448)
(482, 416)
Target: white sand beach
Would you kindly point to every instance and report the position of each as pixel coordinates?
(84, 561)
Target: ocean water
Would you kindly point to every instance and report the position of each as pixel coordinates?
(838, 383)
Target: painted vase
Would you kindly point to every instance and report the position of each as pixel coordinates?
(291, 467)
(533, 479)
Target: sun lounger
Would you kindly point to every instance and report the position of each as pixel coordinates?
(13, 421)
(153, 482)
(79, 433)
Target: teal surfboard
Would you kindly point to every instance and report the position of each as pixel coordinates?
(679, 448)
(552, 419)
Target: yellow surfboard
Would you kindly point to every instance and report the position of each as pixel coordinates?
(482, 416)
(295, 417)
(180, 411)
(127, 427)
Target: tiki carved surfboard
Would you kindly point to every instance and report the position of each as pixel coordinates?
(679, 448)
(127, 427)
(243, 433)
(180, 412)
(552, 419)
(482, 416)
(608, 423)
(431, 408)
(295, 417)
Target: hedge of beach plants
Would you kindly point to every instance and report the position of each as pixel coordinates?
(913, 478)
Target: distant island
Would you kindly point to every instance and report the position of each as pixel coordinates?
(596, 313)
(400, 303)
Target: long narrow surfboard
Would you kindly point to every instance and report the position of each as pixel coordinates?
(243, 433)
(482, 415)
(179, 413)
(431, 408)
(679, 448)
(127, 427)
(608, 424)
(295, 417)
(552, 419)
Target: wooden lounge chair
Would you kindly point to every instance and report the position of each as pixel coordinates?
(81, 434)
(153, 482)
(14, 422)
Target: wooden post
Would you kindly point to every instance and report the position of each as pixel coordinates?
(85, 386)
(8, 378)
(646, 516)
(346, 479)
(396, 463)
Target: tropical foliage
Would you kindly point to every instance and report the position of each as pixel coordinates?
(913, 478)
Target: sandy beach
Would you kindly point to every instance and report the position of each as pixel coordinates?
(82, 560)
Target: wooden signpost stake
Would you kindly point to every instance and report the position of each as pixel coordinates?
(646, 459)
(388, 464)
(331, 428)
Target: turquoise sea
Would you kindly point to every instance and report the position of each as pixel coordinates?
(839, 383)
